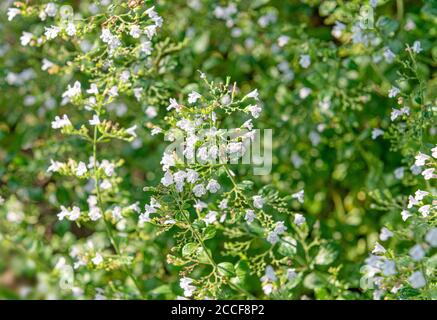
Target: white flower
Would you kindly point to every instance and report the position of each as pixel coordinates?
(186, 285)
(399, 173)
(337, 30)
(167, 180)
(304, 92)
(72, 91)
(192, 175)
(250, 216)
(273, 237)
(395, 113)
(93, 89)
(258, 202)
(405, 215)
(389, 268)
(299, 196)
(283, 40)
(74, 214)
(150, 31)
(211, 217)
(268, 288)
(428, 173)
(213, 186)
(376, 132)
(412, 201)
(254, 110)
(299, 219)
(107, 167)
(199, 190)
(393, 92)
(94, 213)
(151, 112)
(144, 217)
(388, 55)
(51, 9)
(61, 122)
(431, 237)
(25, 38)
(46, 64)
(51, 32)
(434, 152)
(95, 120)
(70, 29)
(63, 214)
(417, 48)
(146, 47)
(417, 280)
(269, 274)
(173, 105)
(305, 61)
(135, 31)
(421, 158)
(385, 234)
(424, 210)
(374, 3)
(378, 249)
(200, 205)
(81, 169)
(417, 253)
(167, 161)
(253, 95)
(193, 97)
(54, 166)
(12, 13)
(419, 195)
(106, 184)
(113, 92)
(223, 204)
(131, 131)
(98, 259)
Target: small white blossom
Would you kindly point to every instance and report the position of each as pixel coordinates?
(424, 210)
(421, 158)
(405, 215)
(135, 31)
(61, 122)
(52, 32)
(25, 38)
(186, 284)
(258, 202)
(95, 120)
(379, 249)
(428, 174)
(211, 217)
(385, 234)
(376, 132)
(98, 259)
(417, 47)
(305, 61)
(254, 110)
(193, 97)
(253, 95)
(393, 92)
(299, 219)
(199, 190)
(81, 169)
(299, 196)
(12, 13)
(250, 216)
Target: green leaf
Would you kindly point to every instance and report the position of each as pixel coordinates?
(226, 269)
(189, 249)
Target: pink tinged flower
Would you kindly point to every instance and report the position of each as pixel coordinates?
(428, 174)
(254, 110)
(173, 105)
(93, 89)
(12, 13)
(419, 195)
(193, 97)
(424, 210)
(412, 201)
(421, 158)
(434, 152)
